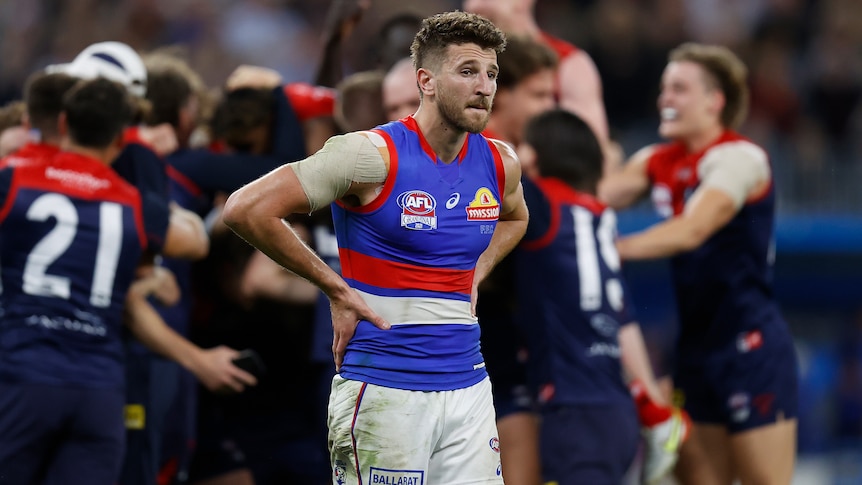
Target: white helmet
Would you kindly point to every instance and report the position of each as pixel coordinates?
(112, 60)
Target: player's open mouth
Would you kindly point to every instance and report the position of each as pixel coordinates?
(669, 114)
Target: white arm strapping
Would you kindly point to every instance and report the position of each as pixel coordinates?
(326, 176)
(734, 168)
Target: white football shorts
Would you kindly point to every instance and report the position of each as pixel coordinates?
(384, 436)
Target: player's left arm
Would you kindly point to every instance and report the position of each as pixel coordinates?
(213, 367)
(512, 224)
(729, 177)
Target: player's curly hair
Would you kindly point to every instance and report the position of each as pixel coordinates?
(442, 30)
(725, 71)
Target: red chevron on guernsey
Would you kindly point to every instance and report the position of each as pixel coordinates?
(395, 275)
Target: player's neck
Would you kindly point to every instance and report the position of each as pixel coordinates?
(500, 129)
(445, 140)
(105, 155)
(703, 138)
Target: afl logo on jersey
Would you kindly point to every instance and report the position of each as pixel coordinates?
(483, 207)
(418, 210)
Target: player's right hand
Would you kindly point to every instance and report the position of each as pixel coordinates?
(347, 311)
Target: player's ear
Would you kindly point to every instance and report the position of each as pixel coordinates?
(63, 125)
(717, 101)
(426, 81)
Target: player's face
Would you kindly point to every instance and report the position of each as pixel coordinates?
(465, 86)
(400, 95)
(531, 97)
(687, 104)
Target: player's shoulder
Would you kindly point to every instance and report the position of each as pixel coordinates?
(506, 151)
(737, 147)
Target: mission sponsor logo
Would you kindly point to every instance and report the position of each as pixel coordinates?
(382, 476)
(483, 207)
(418, 210)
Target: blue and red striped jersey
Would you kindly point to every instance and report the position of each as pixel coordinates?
(411, 254)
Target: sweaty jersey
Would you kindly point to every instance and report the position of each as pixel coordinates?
(71, 235)
(411, 254)
(723, 288)
(572, 298)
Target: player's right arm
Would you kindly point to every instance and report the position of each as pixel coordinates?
(339, 170)
(625, 187)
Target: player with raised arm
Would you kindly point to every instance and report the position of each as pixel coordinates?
(736, 365)
(425, 207)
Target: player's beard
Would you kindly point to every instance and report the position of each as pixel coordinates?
(455, 115)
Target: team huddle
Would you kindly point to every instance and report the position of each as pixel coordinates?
(455, 309)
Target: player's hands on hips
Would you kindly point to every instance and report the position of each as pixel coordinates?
(215, 370)
(347, 311)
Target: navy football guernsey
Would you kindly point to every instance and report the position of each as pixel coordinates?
(411, 254)
(71, 235)
(572, 298)
(723, 288)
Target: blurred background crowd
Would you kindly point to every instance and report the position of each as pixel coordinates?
(805, 62)
(804, 56)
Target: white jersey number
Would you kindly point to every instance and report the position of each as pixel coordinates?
(589, 272)
(57, 241)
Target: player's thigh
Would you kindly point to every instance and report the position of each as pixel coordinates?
(588, 444)
(704, 459)
(93, 450)
(380, 433)
(519, 448)
(765, 455)
(467, 450)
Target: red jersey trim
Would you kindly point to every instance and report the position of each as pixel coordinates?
(10, 197)
(388, 185)
(181, 179)
(501, 170)
(411, 125)
(402, 276)
(558, 193)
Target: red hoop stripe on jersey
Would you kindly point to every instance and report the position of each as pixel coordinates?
(394, 275)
